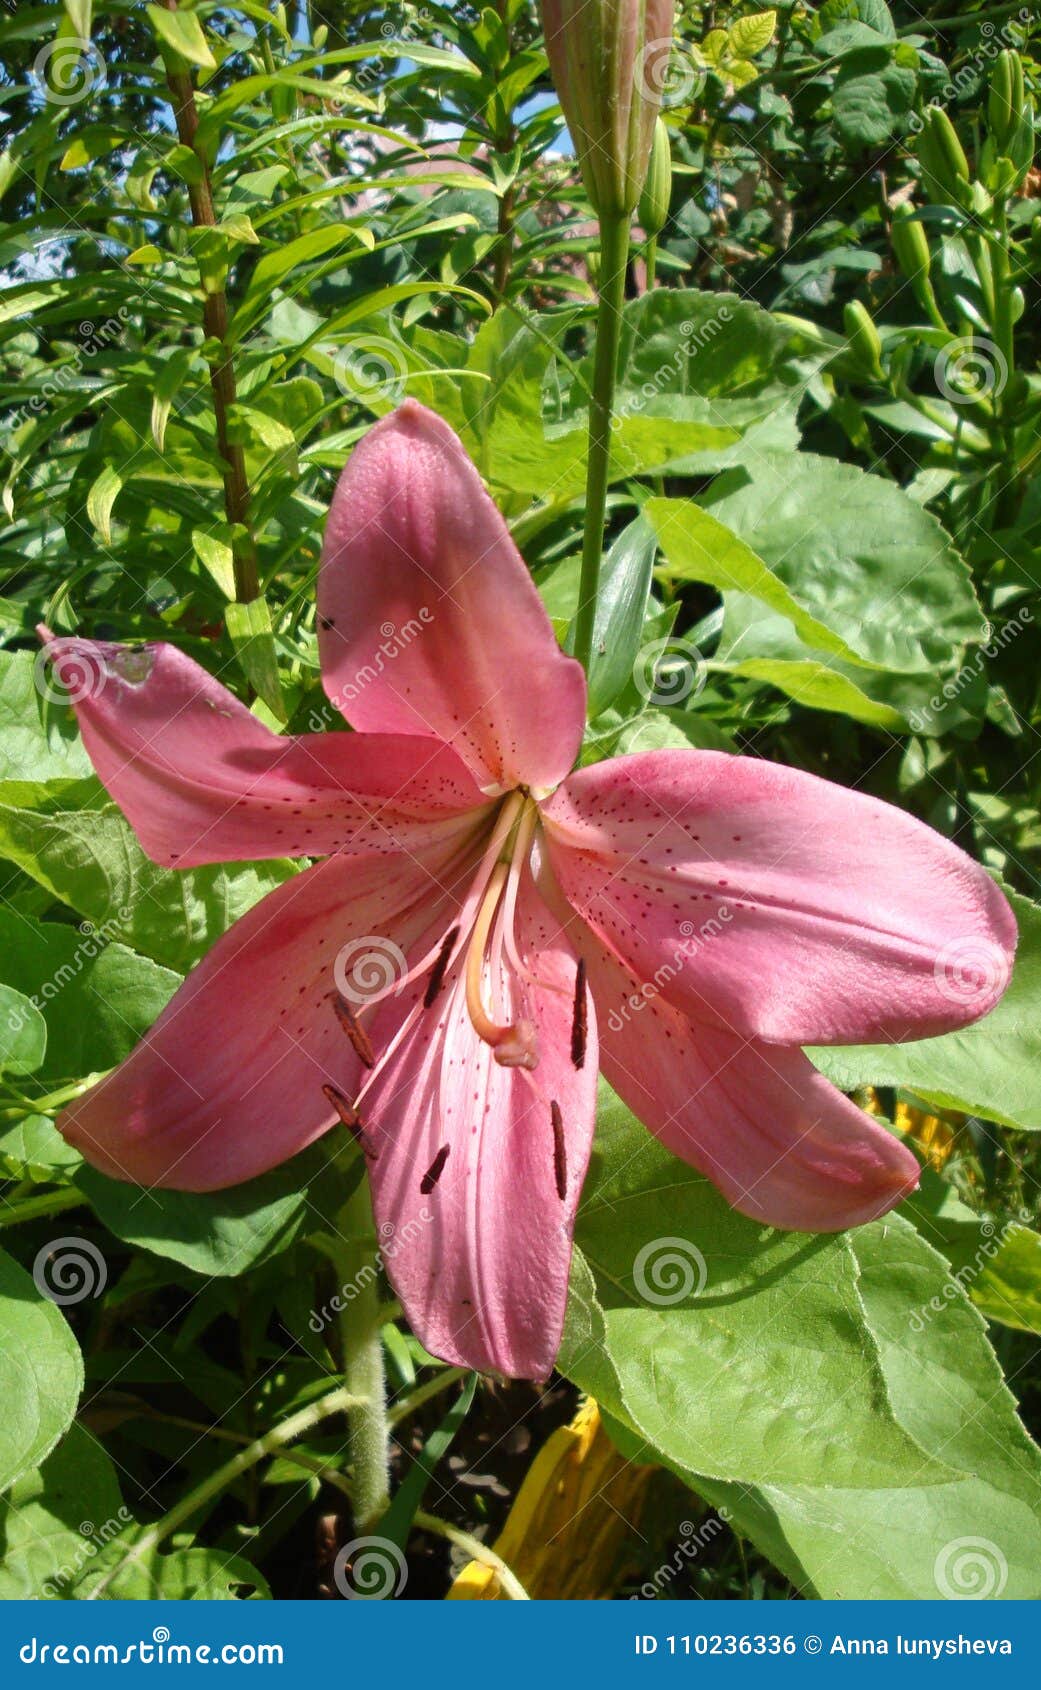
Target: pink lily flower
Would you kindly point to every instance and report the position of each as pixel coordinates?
(487, 927)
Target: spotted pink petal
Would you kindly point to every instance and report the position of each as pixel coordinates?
(429, 621)
(773, 1134)
(228, 1082)
(778, 905)
(474, 1195)
(201, 780)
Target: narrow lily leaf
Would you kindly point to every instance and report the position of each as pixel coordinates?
(80, 14)
(100, 500)
(396, 1523)
(216, 556)
(168, 384)
(182, 32)
(253, 638)
(625, 585)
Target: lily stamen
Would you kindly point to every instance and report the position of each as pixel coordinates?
(514, 1044)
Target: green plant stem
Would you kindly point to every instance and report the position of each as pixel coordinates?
(477, 1551)
(614, 256)
(215, 325)
(406, 1406)
(36, 1208)
(333, 1402)
(650, 258)
(309, 1463)
(472, 1546)
(363, 1373)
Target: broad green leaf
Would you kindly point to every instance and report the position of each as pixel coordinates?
(214, 1233)
(56, 1520)
(858, 1454)
(182, 1575)
(681, 348)
(998, 1265)
(23, 1033)
(857, 555)
(748, 36)
(764, 646)
(253, 637)
(775, 1339)
(183, 32)
(96, 997)
(988, 1069)
(871, 105)
(698, 547)
(74, 841)
(41, 1372)
(33, 1149)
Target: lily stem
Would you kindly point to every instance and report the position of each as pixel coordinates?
(333, 1402)
(47, 1203)
(614, 256)
(363, 1372)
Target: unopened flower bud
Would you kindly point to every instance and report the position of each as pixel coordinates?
(608, 60)
(1006, 98)
(909, 243)
(863, 339)
(945, 169)
(657, 190)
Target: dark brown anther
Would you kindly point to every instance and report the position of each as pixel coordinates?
(434, 1172)
(437, 973)
(351, 1120)
(578, 1017)
(559, 1150)
(353, 1028)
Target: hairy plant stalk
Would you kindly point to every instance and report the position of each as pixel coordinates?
(38, 1208)
(333, 1402)
(614, 256)
(215, 324)
(363, 1372)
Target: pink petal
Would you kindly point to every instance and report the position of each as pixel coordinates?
(480, 1261)
(779, 1141)
(430, 624)
(228, 1082)
(778, 905)
(201, 780)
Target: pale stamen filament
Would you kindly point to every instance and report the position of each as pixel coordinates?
(513, 1044)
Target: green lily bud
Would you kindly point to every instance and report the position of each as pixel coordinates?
(945, 169)
(653, 210)
(1005, 99)
(608, 59)
(863, 339)
(910, 244)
